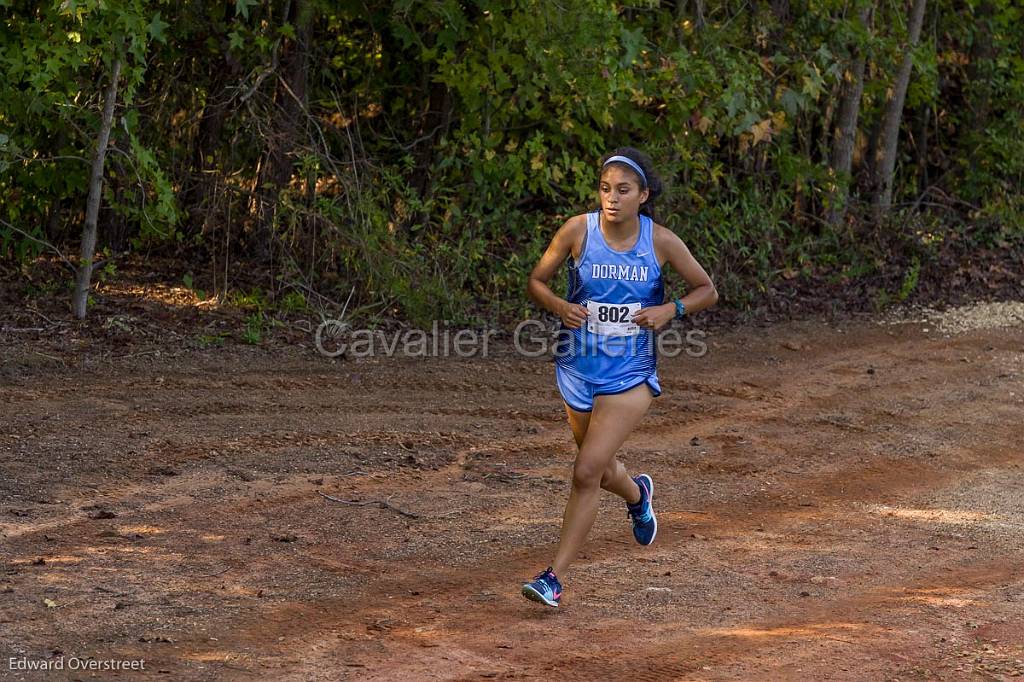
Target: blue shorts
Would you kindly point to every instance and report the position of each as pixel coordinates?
(579, 394)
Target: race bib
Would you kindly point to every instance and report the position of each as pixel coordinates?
(612, 319)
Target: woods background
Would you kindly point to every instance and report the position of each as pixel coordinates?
(417, 156)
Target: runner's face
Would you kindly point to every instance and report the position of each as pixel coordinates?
(621, 195)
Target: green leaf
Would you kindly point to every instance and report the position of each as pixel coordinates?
(813, 84)
(632, 41)
(236, 41)
(156, 28)
(792, 101)
(242, 7)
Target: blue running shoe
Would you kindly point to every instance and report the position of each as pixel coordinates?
(645, 525)
(545, 588)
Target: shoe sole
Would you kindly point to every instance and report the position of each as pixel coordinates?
(654, 517)
(534, 595)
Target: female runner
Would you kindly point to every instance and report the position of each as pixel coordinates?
(606, 361)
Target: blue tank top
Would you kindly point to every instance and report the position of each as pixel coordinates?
(612, 285)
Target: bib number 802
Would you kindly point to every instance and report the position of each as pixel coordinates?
(607, 313)
(612, 319)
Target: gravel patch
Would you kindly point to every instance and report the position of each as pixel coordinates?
(985, 506)
(963, 318)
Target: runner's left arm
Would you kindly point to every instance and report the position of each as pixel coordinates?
(702, 293)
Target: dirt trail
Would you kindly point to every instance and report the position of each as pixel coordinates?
(834, 503)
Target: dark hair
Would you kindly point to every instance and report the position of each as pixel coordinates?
(653, 180)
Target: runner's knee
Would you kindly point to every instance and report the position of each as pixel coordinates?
(587, 475)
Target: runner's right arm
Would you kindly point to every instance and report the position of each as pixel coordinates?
(558, 250)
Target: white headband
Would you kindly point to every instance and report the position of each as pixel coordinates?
(631, 163)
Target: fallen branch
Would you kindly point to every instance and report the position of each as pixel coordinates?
(48, 320)
(842, 425)
(837, 639)
(383, 504)
(210, 575)
(50, 357)
(135, 355)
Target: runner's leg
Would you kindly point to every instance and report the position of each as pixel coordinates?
(611, 422)
(578, 422)
(615, 479)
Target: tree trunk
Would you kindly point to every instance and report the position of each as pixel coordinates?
(92, 209)
(921, 145)
(846, 131)
(289, 120)
(203, 178)
(53, 221)
(886, 161)
(698, 14)
(980, 90)
(434, 126)
(681, 6)
(780, 10)
(867, 160)
(291, 97)
(53, 214)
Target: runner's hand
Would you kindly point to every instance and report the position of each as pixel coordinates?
(655, 317)
(572, 314)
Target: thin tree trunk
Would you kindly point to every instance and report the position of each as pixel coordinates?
(92, 209)
(846, 131)
(823, 150)
(980, 90)
(780, 10)
(203, 177)
(698, 14)
(921, 144)
(53, 215)
(681, 7)
(53, 221)
(893, 114)
(434, 126)
(292, 105)
(870, 154)
(289, 121)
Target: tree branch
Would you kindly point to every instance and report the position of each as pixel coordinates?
(383, 504)
(40, 241)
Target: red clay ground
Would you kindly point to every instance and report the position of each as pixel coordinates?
(834, 503)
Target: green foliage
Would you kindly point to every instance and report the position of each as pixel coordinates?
(108, 269)
(293, 302)
(253, 333)
(210, 340)
(439, 145)
(57, 59)
(153, 206)
(254, 299)
(187, 281)
(910, 280)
